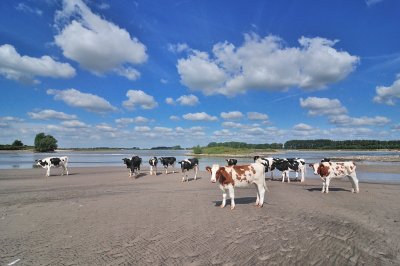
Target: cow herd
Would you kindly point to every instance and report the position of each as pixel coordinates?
(232, 175)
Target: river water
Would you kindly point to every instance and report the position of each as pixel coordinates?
(26, 160)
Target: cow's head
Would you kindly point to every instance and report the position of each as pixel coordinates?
(41, 163)
(215, 173)
(127, 161)
(263, 162)
(314, 166)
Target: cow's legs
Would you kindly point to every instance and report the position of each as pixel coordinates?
(223, 199)
(302, 176)
(260, 195)
(328, 181)
(173, 168)
(196, 168)
(48, 171)
(232, 196)
(354, 183)
(323, 186)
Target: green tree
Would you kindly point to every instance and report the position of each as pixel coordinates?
(45, 142)
(17, 143)
(197, 150)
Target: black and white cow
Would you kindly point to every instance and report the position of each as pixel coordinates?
(231, 161)
(187, 165)
(290, 165)
(268, 162)
(167, 161)
(133, 164)
(153, 165)
(54, 162)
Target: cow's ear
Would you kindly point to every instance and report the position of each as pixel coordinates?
(208, 168)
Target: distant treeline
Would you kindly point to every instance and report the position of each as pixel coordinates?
(243, 145)
(177, 147)
(326, 144)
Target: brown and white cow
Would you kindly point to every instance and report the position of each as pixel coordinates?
(230, 177)
(328, 170)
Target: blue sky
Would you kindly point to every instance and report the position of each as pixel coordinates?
(163, 73)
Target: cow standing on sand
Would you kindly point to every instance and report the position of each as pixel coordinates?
(49, 162)
(167, 161)
(290, 165)
(133, 164)
(328, 170)
(231, 161)
(153, 165)
(187, 165)
(230, 177)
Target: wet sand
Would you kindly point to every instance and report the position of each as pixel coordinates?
(100, 216)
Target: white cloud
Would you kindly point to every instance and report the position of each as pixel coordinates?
(265, 63)
(302, 127)
(25, 68)
(142, 129)
(95, 43)
(372, 2)
(139, 98)
(189, 100)
(344, 120)
(257, 116)
(388, 95)
(27, 9)
(200, 117)
(232, 125)
(50, 114)
(231, 115)
(10, 119)
(174, 118)
(322, 106)
(87, 101)
(138, 119)
(170, 101)
(74, 124)
(105, 127)
(178, 48)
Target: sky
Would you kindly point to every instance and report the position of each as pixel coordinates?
(143, 74)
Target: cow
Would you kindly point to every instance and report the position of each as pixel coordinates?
(54, 162)
(153, 165)
(230, 177)
(231, 161)
(290, 165)
(267, 162)
(133, 165)
(187, 165)
(328, 170)
(167, 161)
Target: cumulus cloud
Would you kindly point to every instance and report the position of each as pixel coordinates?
(87, 101)
(231, 115)
(257, 116)
(95, 43)
(50, 114)
(302, 127)
(174, 118)
(74, 124)
(178, 48)
(322, 106)
(189, 100)
(232, 125)
(344, 120)
(139, 98)
(200, 117)
(265, 63)
(170, 101)
(125, 120)
(388, 95)
(25, 69)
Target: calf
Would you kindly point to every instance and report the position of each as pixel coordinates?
(54, 162)
(328, 170)
(167, 161)
(231, 161)
(133, 164)
(291, 164)
(153, 165)
(187, 165)
(230, 177)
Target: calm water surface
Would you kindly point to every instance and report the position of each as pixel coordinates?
(26, 160)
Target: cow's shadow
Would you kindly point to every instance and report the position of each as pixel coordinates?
(334, 189)
(240, 201)
(190, 179)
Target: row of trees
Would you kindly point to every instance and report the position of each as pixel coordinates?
(326, 144)
(243, 145)
(43, 143)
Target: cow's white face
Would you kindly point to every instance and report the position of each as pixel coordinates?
(315, 166)
(213, 170)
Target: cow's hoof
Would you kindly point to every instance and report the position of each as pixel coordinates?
(232, 208)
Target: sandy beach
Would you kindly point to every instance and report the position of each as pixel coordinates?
(100, 216)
